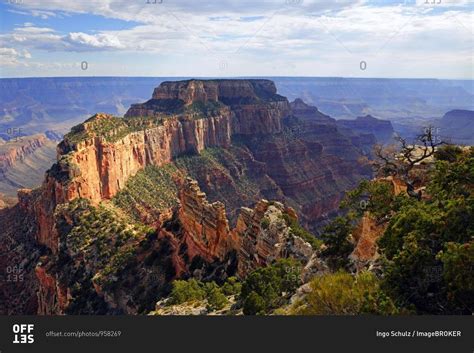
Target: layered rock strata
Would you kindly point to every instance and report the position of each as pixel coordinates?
(16, 150)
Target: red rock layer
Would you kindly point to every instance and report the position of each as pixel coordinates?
(212, 90)
(260, 236)
(264, 237)
(104, 167)
(205, 224)
(52, 297)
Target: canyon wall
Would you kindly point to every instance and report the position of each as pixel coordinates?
(381, 129)
(103, 167)
(18, 149)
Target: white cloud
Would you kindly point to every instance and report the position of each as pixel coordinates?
(100, 41)
(13, 57)
(44, 15)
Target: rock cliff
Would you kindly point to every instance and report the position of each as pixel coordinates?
(261, 235)
(264, 236)
(23, 161)
(205, 225)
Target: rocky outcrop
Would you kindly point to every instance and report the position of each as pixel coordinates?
(260, 236)
(366, 234)
(205, 224)
(369, 230)
(52, 296)
(264, 236)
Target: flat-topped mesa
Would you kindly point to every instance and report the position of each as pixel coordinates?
(228, 92)
(265, 236)
(254, 105)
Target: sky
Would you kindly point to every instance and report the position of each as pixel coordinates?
(229, 38)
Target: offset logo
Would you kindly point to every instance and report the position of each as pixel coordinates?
(23, 333)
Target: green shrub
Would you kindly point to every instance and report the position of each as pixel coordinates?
(216, 299)
(232, 286)
(265, 223)
(193, 290)
(338, 247)
(344, 294)
(458, 265)
(185, 291)
(269, 287)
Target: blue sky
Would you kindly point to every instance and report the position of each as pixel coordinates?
(406, 38)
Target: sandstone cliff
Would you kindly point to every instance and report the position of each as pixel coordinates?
(205, 225)
(260, 236)
(264, 236)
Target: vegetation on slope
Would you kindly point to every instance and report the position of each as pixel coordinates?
(341, 293)
(110, 128)
(148, 193)
(201, 109)
(99, 246)
(229, 180)
(192, 290)
(268, 288)
(429, 243)
(427, 249)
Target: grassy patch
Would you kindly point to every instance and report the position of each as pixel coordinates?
(148, 193)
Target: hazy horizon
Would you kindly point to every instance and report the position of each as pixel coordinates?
(243, 77)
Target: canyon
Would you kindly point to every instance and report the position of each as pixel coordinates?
(21, 163)
(207, 154)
